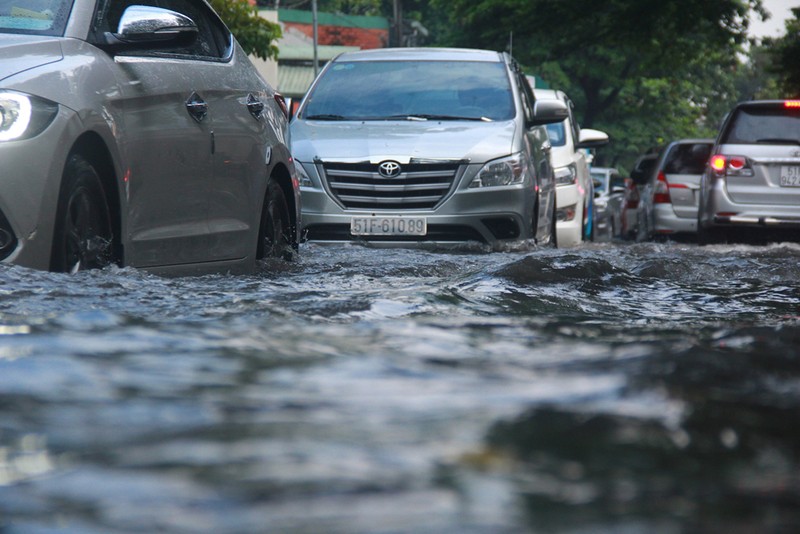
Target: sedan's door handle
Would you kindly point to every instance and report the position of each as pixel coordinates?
(255, 106)
(197, 107)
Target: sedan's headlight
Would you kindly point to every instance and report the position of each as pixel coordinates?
(500, 172)
(566, 175)
(23, 116)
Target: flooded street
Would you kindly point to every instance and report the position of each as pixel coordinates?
(616, 387)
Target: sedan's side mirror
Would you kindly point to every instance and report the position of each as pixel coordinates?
(152, 27)
(548, 112)
(591, 138)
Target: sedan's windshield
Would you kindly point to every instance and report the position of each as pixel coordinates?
(412, 90)
(37, 17)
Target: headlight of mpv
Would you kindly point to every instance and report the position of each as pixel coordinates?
(510, 170)
(566, 175)
(24, 116)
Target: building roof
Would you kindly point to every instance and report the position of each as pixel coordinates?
(333, 19)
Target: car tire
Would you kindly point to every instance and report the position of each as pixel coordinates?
(553, 230)
(83, 237)
(274, 239)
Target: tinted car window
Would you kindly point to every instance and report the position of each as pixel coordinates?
(364, 90)
(687, 158)
(38, 17)
(765, 124)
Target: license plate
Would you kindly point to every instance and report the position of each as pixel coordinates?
(398, 226)
(790, 176)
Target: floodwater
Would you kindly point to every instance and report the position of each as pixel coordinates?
(612, 388)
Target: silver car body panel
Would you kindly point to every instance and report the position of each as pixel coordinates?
(469, 145)
(190, 192)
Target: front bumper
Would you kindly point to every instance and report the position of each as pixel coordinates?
(722, 211)
(489, 215)
(30, 177)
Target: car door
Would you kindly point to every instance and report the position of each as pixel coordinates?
(167, 144)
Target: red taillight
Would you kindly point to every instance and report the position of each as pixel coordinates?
(718, 163)
(791, 104)
(730, 165)
(661, 193)
(737, 163)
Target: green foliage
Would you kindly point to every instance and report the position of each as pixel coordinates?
(255, 34)
(785, 52)
(645, 72)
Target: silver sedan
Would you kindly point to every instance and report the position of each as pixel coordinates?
(139, 136)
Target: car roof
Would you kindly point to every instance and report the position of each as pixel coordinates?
(422, 54)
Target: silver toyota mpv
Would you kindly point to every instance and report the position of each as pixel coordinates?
(138, 133)
(415, 145)
(751, 186)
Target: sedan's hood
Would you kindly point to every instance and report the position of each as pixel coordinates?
(24, 52)
(402, 141)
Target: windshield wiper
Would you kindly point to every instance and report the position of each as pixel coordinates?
(431, 117)
(327, 117)
(778, 141)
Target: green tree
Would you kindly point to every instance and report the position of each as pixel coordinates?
(640, 70)
(785, 52)
(255, 34)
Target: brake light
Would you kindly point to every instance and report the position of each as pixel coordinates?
(730, 165)
(661, 193)
(718, 163)
(791, 104)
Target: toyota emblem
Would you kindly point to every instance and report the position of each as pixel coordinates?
(389, 169)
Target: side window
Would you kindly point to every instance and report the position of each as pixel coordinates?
(213, 40)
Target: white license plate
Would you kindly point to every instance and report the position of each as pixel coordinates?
(790, 176)
(398, 226)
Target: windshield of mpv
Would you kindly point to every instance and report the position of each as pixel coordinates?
(409, 90)
(764, 124)
(36, 17)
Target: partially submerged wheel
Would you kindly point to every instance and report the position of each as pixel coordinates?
(82, 237)
(275, 236)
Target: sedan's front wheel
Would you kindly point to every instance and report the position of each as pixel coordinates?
(82, 238)
(274, 238)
